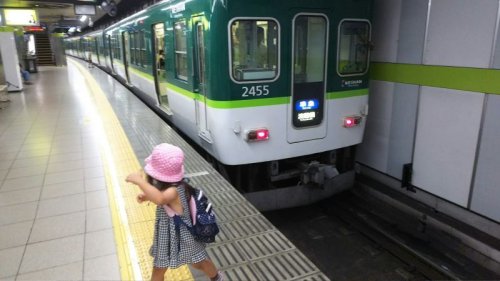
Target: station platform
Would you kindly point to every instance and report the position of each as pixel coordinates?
(67, 142)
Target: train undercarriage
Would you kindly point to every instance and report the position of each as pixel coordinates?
(292, 182)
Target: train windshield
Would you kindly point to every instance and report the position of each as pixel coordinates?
(254, 50)
(354, 43)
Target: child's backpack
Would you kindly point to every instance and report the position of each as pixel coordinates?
(203, 219)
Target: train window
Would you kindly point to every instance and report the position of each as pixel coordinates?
(142, 47)
(158, 47)
(180, 50)
(137, 50)
(113, 46)
(132, 48)
(111, 42)
(254, 49)
(354, 44)
(310, 37)
(116, 47)
(136, 46)
(96, 49)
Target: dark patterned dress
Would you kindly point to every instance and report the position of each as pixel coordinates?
(169, 249)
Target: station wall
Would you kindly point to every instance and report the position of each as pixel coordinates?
(434, 99)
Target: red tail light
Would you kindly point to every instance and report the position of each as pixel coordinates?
(257, 135)
(352, 121)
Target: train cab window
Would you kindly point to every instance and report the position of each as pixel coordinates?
(354, 45)
(254, 49)
(181, 69)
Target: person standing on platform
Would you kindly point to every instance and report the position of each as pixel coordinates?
(90, 64)
(261, 49)
(25, 75)
(164, 185)
(161, 60)
(160, 64)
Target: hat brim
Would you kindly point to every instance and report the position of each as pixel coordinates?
(161, 177)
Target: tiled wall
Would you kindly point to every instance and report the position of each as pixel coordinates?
(450, 135)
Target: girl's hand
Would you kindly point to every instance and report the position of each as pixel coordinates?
(135, 178)
(141, 197)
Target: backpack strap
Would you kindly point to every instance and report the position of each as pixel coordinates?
(170, 212)
(190, 192)
(191, 203)
(192, 209)
(177, 223)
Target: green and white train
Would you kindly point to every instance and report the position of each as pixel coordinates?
(274, 91)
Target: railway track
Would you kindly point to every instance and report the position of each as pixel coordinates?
(354, 238)
(356, 215)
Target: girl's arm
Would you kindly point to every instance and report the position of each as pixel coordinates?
(151, 193)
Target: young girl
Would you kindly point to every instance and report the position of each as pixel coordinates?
(163, 185)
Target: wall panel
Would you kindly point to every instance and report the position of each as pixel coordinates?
(374, 149)
(446, 140)
(496, 54)
(486, 191)
(412, 31)
(402, 128)
(385, 30)
(461, 32)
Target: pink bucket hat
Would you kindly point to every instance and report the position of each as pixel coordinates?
(165, 163)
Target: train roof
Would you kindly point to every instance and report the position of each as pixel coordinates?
(164, 5)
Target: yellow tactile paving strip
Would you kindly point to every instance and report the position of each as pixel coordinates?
(132, 222)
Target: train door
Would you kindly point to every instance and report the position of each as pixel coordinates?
(110, 52)
(126, 53)
(200, 81)
(308, 84)
(160, 74)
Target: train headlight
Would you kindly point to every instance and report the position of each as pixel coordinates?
(352, 121)
(257, 135)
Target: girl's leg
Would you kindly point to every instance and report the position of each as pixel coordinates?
(208, 267)
(158, 274)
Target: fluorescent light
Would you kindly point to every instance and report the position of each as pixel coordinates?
(22, 17)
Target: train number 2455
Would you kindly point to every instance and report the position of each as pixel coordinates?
(255, 91)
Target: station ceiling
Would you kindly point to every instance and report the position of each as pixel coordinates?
(58, 13)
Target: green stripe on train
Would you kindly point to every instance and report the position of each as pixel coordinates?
(458, 78)
(250, 102)
(262, 101)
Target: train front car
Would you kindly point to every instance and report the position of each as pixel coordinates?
(288, 95)
(275, 93)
